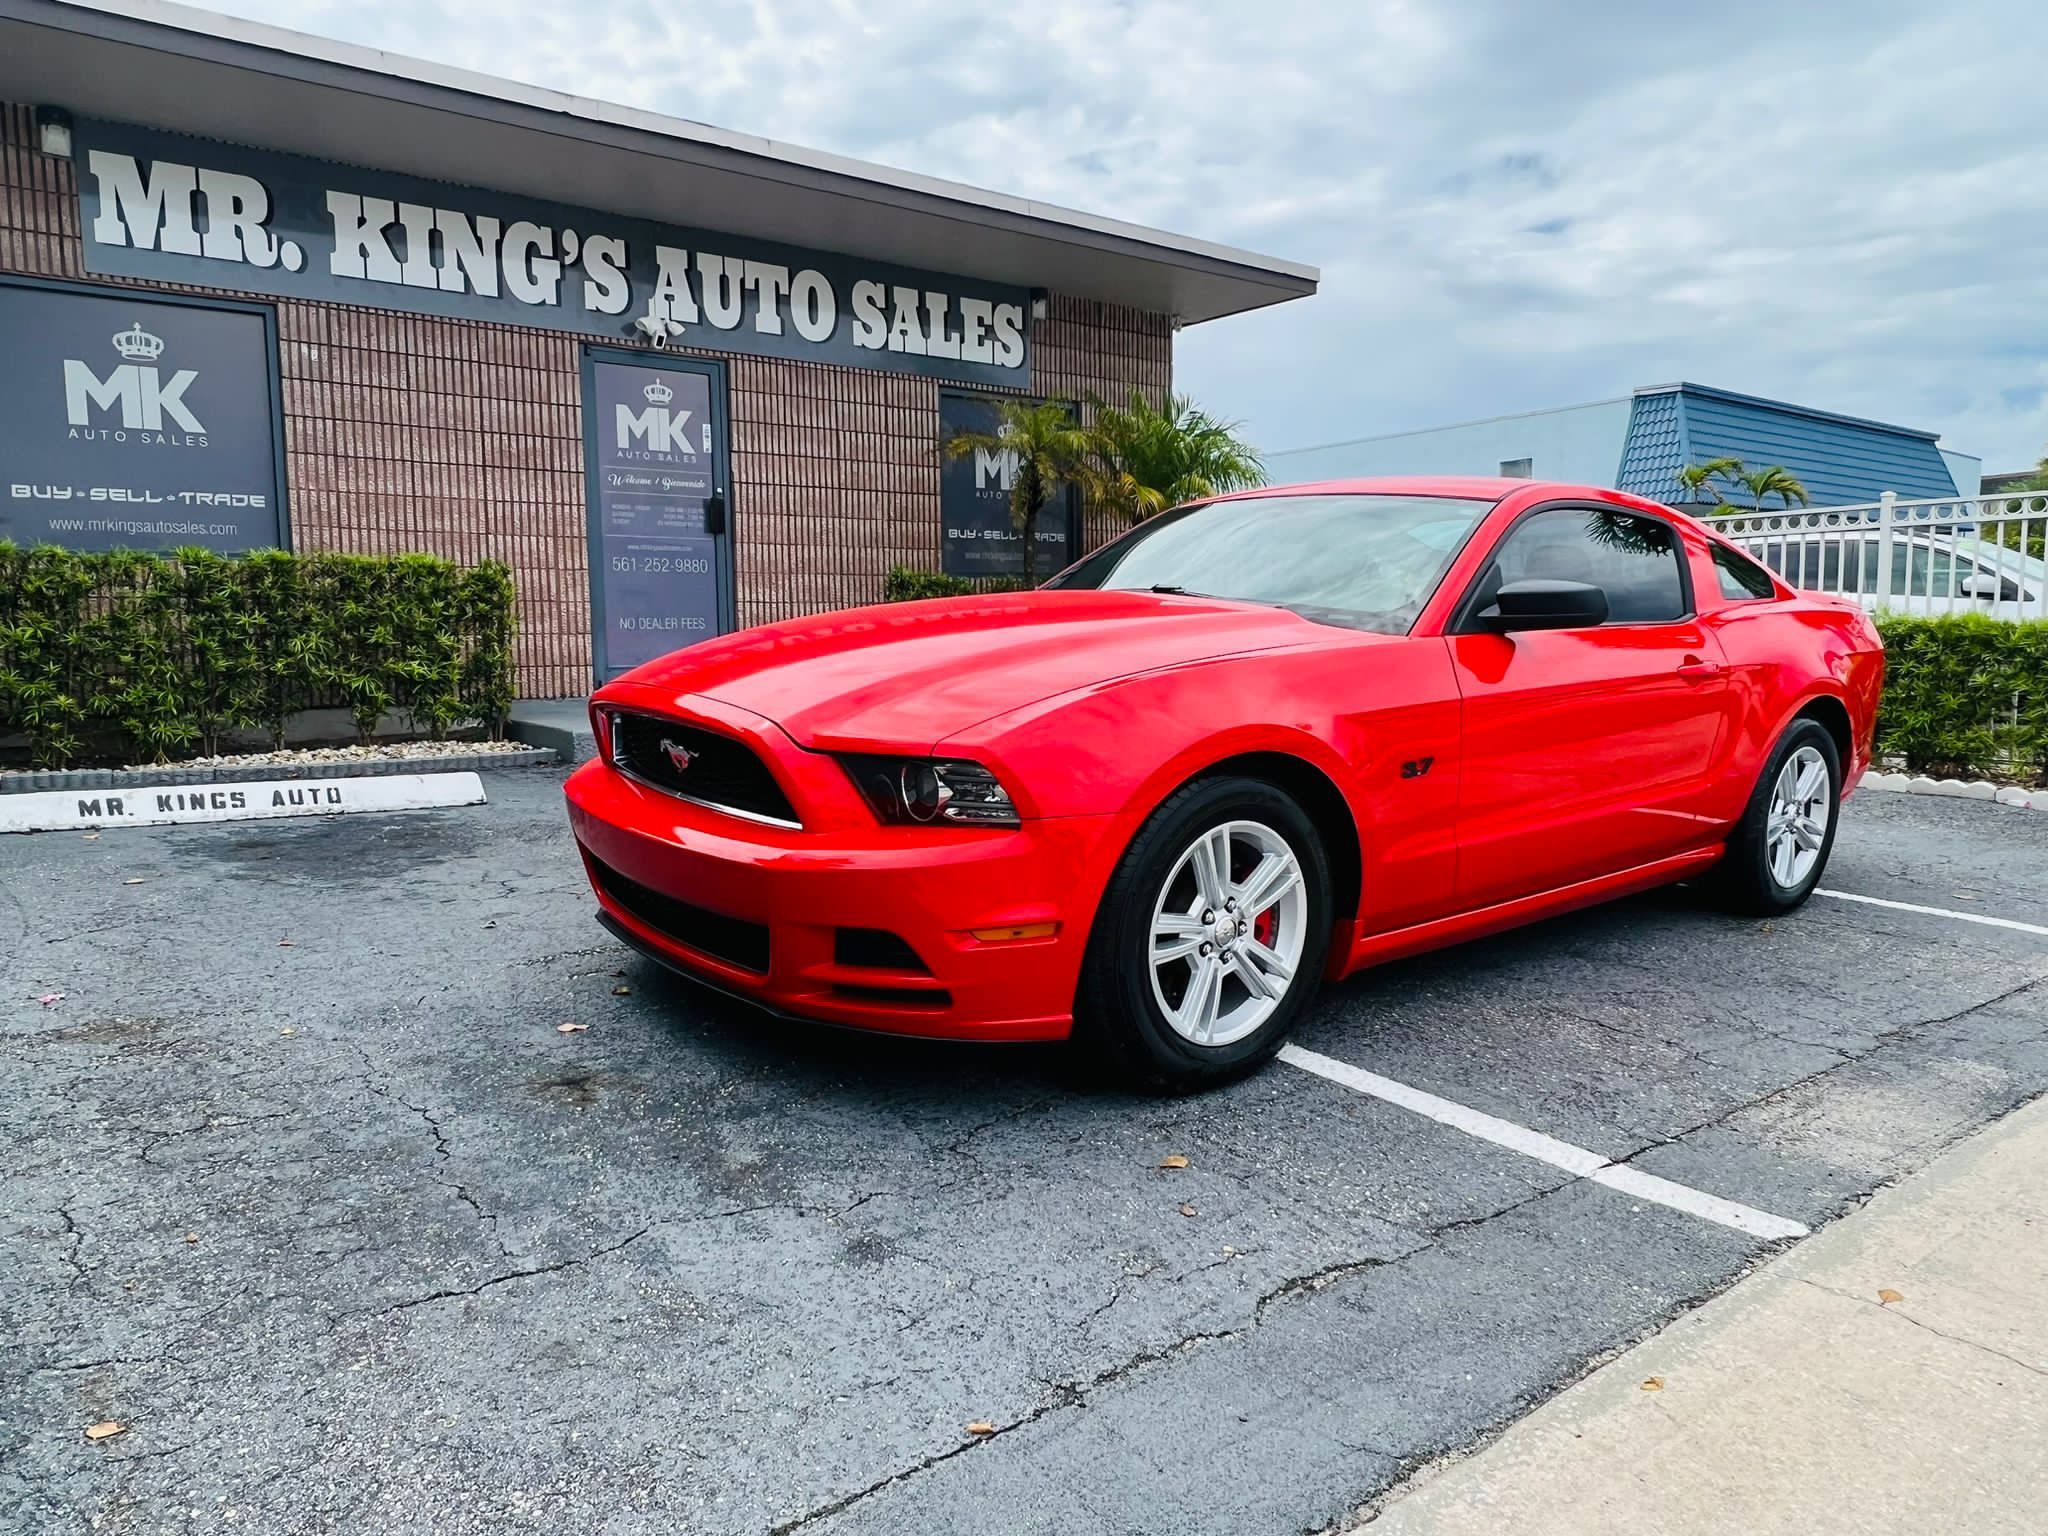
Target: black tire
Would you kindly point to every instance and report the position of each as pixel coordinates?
(1744, 881)
(1117, 1014)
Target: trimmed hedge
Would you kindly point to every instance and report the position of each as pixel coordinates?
(905, 584)
(1965, 697)
(168, 654)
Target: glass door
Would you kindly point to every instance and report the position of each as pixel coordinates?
(655, 464)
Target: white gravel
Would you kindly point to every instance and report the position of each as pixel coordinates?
(379, 752)
(376, 752)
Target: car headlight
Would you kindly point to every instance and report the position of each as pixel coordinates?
(923, 791)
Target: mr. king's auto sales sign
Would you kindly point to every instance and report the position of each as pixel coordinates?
(169, 208)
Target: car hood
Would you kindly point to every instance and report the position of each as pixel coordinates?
(908, 675)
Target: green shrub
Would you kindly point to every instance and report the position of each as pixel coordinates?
(906, 584)
(1965, 696)
(171, 654)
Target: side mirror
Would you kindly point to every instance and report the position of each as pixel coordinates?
(1544, 604)
(1982, 584)
(714, 513)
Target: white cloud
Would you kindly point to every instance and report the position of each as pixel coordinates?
(1515, 203)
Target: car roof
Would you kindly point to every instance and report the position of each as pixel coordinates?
(1968, 544)
(1468, 487)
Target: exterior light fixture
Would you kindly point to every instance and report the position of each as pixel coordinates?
(1041, 303)
(658, 328)
(53, 131)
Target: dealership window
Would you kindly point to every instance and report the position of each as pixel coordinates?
(1517, 469)
(1634, 560)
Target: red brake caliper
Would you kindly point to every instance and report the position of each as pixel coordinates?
(1265, 925)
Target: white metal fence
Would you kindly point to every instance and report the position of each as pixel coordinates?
(1960, 554)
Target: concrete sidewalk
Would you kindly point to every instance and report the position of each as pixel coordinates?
(563, 724)
(1888, 1375)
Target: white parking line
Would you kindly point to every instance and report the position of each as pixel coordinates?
(1962, 917)
(1578, 1161)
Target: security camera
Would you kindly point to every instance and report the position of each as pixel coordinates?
(658, 329)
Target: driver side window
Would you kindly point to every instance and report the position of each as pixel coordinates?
(1637, 561)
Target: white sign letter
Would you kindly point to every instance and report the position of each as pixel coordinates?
(905, 334)
(722, 293)
(812, 305)
(236, 207)
(418, 223)
(769, 282)
(975, 315)
(870, 325)
(605, 289)
(128, 208)
(469, 256)
(359, 248)
(529, 277)
(671, 299)
(83, 390)
(937, 340)
(1009, 336)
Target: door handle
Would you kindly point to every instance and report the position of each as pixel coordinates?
(1693, 670)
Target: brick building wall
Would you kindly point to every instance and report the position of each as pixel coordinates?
(409, 432)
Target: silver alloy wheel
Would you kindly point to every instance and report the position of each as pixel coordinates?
(1228, 931)
(1800, 804)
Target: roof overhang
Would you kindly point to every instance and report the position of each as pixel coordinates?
(191, 71)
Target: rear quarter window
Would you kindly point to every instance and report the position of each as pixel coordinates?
(1741, 578)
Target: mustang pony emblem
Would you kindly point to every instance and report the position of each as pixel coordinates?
(679, 756)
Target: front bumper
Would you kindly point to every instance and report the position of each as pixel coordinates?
(665, 870)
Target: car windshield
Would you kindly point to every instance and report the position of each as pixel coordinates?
(2003, 559)
(1364, 562)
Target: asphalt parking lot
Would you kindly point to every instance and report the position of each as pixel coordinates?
(305, 1188)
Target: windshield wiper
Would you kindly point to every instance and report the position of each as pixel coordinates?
(1173, 589)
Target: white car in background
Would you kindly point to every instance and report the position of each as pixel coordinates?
(1933, 571)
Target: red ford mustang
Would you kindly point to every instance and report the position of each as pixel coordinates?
(1254, 743)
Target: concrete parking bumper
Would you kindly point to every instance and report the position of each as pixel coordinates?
(1890, 1375)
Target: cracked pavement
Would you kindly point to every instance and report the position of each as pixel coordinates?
(351, 1238)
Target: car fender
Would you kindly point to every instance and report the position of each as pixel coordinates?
(1047, 755)
(1379, 718)
(1070, 755)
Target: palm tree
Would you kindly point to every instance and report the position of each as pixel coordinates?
(2020, 513)
(1044, 448)
(1142, 460)
(1776, 481)
(1698, 479)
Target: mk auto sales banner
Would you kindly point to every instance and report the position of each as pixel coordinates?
(131, 421)
(174, 209)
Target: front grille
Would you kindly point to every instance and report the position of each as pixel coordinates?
(731, 939)
(703, 766)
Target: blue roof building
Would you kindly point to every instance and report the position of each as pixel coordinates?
(1639, 443)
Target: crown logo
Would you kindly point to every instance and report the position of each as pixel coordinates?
(657, 393)
(138, 345)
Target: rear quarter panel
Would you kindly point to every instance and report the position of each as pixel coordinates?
(1784, 654)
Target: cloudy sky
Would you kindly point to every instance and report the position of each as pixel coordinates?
(1514, 203)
